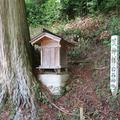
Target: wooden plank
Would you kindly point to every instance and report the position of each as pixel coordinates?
(41, 54)
(52, 53)
(44, 60)
(52, 67)
(48, 57)
(57, 56)
(46, 42)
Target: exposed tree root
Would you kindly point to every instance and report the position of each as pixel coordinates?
(3, 94)
(28, 113)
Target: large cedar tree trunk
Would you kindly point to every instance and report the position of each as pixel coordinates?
(15, 70)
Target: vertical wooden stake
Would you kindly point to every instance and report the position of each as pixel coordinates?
(81, 113)
(59, 71)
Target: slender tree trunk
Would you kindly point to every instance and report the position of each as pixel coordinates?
(15, 69)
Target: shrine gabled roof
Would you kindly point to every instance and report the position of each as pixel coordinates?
(45, 33)
(48, 34)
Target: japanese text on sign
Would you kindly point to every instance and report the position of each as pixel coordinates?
(114, 66)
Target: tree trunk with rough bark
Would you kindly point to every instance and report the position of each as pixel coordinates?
(15, 70)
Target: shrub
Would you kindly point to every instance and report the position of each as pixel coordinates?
(83, 42)
(42, 13)
(50, 12)
(114, 25)
(34, 14)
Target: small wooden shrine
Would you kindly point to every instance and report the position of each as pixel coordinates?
(53, 50)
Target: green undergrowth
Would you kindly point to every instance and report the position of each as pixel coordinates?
(8, 111)
(85, 41)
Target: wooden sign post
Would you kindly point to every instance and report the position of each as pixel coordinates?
(81, 113)
(114, 64)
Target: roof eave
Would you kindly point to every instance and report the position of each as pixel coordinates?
(40, 36)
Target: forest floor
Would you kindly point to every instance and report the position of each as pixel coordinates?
(89, 84)
(88, 88)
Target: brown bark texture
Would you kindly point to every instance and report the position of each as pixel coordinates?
(15, 69)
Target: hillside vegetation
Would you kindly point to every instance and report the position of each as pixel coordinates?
(90, 23)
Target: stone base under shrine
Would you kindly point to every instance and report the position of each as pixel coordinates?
(54, 82)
